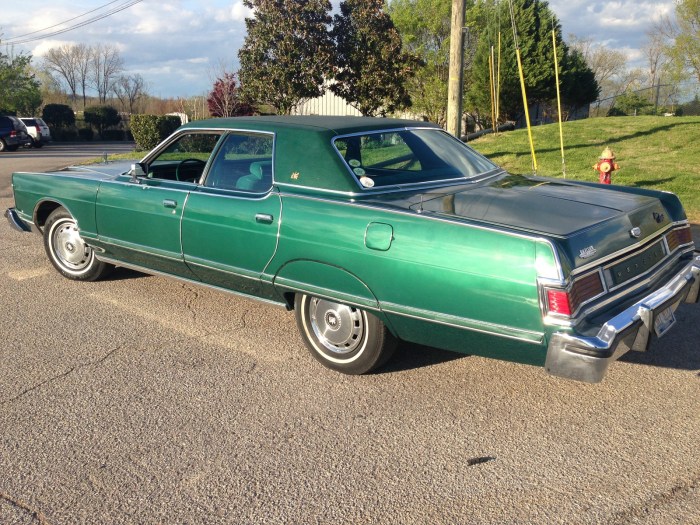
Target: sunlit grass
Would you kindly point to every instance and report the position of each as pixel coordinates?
(660, 153)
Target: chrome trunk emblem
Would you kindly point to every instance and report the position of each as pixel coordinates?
(587, 252)
(636, 232)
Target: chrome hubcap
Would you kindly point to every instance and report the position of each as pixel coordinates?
(69, 248)
(337, 326)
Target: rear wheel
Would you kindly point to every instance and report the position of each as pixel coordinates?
(36, 143)
(68, 252)
(3, 146)
(343, 337)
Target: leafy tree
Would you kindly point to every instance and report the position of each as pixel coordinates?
(19, 89)
(225, 100)
(424, 26)
(578, 84)
(371, 67)
(684, 34)
(630, 103)
(102, 117)
(287, 53)
(58, 116)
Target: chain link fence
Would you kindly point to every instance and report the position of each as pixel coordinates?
(660, 99)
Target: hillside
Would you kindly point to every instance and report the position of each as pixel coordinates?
(653, 152)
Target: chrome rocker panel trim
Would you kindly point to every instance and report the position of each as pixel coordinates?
(582, 358)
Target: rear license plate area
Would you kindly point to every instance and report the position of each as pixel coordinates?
(663, 321)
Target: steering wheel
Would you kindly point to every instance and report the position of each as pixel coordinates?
(177, 170)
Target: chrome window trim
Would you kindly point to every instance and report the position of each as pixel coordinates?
(398, 189)
(409, 186)
(205, 173)
(224, 133)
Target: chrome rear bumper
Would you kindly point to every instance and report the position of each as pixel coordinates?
(587, 358)
(15, 221)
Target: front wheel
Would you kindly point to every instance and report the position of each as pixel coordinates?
(342, 337)
(68, 252)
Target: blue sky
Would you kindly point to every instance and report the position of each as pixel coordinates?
(178, 46)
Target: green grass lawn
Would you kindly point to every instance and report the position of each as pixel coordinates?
(660, 153)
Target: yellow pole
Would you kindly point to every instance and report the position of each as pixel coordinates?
(527, 112)
(561, 128)
(492, 90)
(498, 82)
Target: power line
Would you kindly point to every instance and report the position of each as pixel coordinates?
(19, 39)
(64, 21)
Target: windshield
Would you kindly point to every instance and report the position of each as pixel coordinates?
(390, 158)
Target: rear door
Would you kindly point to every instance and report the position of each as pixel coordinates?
(231, 222)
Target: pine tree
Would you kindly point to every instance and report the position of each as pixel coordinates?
(534, 21)
(287, 53)
(371, 68)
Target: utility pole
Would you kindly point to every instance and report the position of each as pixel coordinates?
(454, 85)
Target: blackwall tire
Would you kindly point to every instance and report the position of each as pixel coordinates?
(344, 338)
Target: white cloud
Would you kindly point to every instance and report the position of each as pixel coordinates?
(173, 44)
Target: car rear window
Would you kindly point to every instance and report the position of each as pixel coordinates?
(29, 121)
(409, 156)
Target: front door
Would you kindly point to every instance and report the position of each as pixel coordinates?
(231, 222)
(139, 219)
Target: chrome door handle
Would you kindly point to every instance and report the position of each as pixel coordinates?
(169, 203)
(263, 218)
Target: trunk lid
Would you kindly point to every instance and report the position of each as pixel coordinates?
(586, 223)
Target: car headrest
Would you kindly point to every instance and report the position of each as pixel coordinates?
(258, 169)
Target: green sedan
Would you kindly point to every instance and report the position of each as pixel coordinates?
(377, 231)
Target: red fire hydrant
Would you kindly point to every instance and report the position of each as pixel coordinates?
(606, 165)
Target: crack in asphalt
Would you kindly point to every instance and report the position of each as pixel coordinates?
(61, 376)
(19, 504)
(189, 301)
(656, 501)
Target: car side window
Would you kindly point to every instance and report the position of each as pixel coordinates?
(243, 163)
(185, 158)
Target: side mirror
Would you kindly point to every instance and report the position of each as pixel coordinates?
(136, 172)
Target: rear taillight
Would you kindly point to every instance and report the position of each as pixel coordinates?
(558, 301)
(13, 134)
(567, 302)
(38, 130)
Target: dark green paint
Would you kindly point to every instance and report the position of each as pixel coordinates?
(455, 267)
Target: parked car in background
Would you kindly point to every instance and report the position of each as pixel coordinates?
(376, 231)
(13, 133)
(37, 130)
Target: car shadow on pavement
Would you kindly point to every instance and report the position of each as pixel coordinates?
(121, 274)
(678, 349)
(409, 356)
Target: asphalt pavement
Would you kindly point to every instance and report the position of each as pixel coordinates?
(141, 400)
